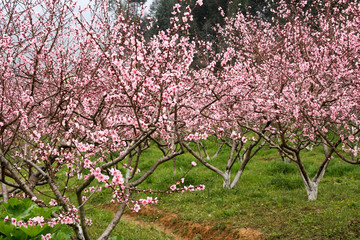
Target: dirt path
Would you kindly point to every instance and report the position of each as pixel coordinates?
(159, 227)
(171, 224)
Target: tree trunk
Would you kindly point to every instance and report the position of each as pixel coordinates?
(174, 166)
(4, 189)
(310, 186)
(312, 190)
(79, 232)
(237, 177)
(105, 235)
(227, 180)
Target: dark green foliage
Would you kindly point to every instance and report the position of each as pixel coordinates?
(258, 8)
(23, 210)
(207, 16)
(163, 14)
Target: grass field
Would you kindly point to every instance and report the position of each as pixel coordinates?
(269, 198)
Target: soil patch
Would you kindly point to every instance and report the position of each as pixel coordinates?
(179, 229)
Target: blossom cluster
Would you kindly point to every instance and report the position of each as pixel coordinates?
(196, 136)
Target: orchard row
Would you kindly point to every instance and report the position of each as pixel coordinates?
(83, 92)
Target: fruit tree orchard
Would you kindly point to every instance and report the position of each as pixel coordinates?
(85, 97)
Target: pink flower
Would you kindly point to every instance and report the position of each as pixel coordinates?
(87, 163)
(88, 222)
(199, 2)
(52, 202)
(173, 187)
(118, 180)
(67, 220)
(20, 223)
(143, 202)
(30, 222)
(193, 163)
(102, 178)
(149, 200)
(52, 223)
(351, 138)
(182, 180)
(46, 237)
(13, 221)
(136, 207)
(6, 218)
(38, 219)
(96, 171)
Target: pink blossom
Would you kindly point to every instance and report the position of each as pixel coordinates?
(199, 2)
(13, 221)
(38, 219)
(173, 187)
(46, 237)
(193, 163)
(67, 220)
(52, 223)
(118, 180)
(143, 202)
(96, 171)
(30, 222)
(52, 202)
(351, 138)
(20, 223)
(88, 222)
(102, 178)
(149, 200)
(136, 207)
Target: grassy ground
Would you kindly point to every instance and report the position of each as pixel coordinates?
(126, 229)
(270, 197)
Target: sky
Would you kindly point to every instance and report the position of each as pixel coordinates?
(148, 3)
(83, 3)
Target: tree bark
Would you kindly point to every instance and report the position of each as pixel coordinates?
(105, 235)
(227, 179)
(312, 190)
(4, 189)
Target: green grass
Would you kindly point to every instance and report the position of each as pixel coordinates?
(270, 197)
(127, 230)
